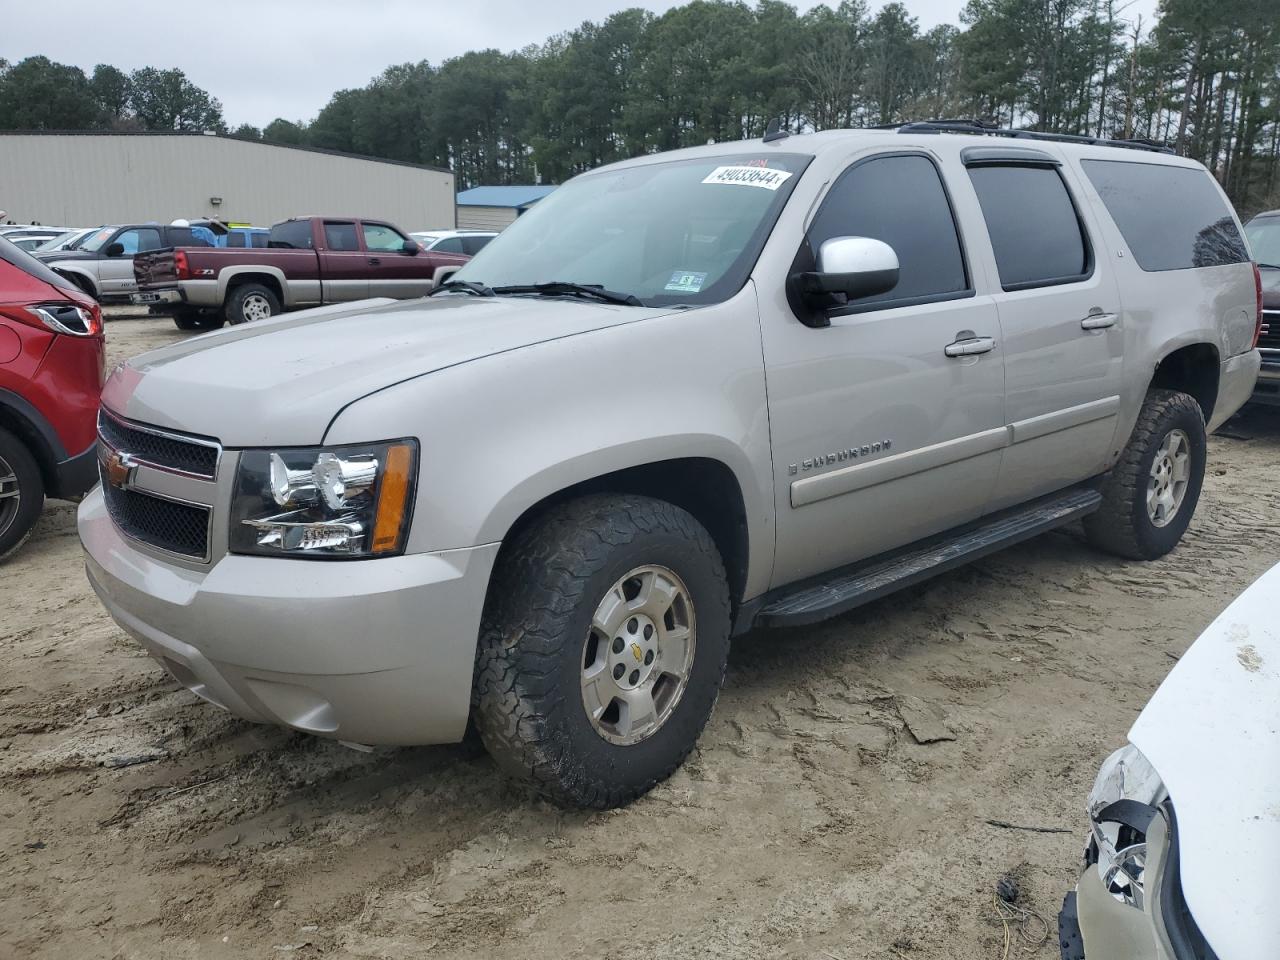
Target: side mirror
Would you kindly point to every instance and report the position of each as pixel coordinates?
(410, 247)
(854, 266)
(114, 249)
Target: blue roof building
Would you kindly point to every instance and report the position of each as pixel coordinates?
(492, 208)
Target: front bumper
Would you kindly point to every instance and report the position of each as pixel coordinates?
(1268, 388)
(370, 651)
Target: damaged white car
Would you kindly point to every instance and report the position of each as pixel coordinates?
(1183, 858)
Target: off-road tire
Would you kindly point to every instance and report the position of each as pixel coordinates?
(527, 699)
(239, 296)
(15, 525)
(1122, 525)
(194, 319)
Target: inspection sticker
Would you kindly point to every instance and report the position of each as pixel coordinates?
(683, 281)
(749, 177)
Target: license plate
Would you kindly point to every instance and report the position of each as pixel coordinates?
(146, 298)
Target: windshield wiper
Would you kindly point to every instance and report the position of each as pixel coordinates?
(1269, 266)
(563, 288)
(462, 286)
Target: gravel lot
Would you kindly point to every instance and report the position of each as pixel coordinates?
(809, 823)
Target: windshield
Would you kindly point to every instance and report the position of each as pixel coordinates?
(683, 231)
(95, 242)
(57, 241)
(1264, 239)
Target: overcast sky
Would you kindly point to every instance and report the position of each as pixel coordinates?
(284, 58)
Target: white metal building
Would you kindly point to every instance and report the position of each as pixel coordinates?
(85, 179)
(494, 208)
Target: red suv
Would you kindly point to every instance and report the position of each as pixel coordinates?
(51, 373)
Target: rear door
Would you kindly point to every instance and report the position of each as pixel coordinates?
(344, 266)
(115, 274)
(392, 272)
(880, 437)
(1061, 322)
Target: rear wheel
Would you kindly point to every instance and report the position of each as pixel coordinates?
(250, 302)
(1149, 496)
(602, 649)
(21, 493)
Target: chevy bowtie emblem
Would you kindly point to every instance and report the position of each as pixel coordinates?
(637, 652)
(120, 469)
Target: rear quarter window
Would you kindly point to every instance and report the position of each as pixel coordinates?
(1172, 218)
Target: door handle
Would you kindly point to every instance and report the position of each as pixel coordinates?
(1098, 321)
(374, 260)
(970, 346)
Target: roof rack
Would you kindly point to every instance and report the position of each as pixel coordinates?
(981, 128)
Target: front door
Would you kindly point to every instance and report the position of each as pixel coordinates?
(1061, 326)
(880, 435)
(115, 274)
(344, 266)
(392, 272)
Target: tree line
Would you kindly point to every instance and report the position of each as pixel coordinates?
(1203, 77)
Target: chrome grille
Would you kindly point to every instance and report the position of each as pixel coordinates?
(195, 456)
(180, 528)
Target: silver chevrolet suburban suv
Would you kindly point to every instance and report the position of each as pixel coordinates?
(745, 384)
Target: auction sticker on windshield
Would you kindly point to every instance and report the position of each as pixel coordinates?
(749, 177)
(684, 281)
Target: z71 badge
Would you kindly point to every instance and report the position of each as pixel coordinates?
(840, 456)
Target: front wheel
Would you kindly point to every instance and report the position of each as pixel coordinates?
(251, 301)
(1149, 496)
(21, 493)
(602, 649)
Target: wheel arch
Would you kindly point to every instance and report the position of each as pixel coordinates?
(269, 277)
(1193, 369)
(25, 422)
(706, 487)
(81, 278)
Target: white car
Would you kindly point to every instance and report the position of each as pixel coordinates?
(1183, 858)
(468, 242)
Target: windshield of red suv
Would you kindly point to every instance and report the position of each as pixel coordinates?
(674, 232)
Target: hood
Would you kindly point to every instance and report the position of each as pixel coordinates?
(283, 381)
(1212, 733)
(53, 256)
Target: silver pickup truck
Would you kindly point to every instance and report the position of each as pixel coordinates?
(747, 384)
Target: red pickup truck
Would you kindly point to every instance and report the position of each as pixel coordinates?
(307, 262)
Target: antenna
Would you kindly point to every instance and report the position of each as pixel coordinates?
(774, 131)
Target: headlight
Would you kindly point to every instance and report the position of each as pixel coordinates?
(328, 502)
(1121, 807)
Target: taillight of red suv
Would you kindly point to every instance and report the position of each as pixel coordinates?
(59, 317)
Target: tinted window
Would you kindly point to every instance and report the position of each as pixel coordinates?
(340, 236)
(292, 234)
(139, 240)
(1172, 218)
(260, 239)
(30, 265)
(1035, 232)
(378, 236)
(235, 239)
(449, 245)
(473, 245)
(901, 201)
(1264, 238)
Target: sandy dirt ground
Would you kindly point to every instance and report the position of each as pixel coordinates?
(139, 822)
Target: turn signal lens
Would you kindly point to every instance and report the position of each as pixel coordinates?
(393, 500)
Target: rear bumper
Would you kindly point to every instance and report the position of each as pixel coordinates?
(1236, 379)
(196, 293)
(1267, 389)
(371, 651)
(76, 475)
